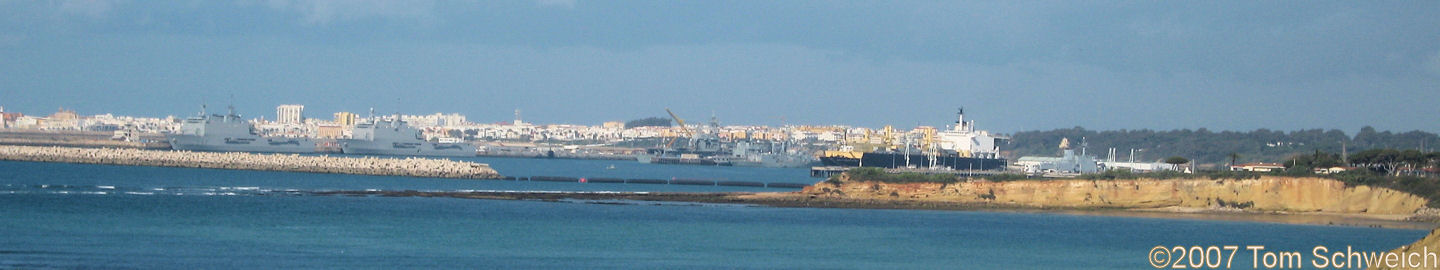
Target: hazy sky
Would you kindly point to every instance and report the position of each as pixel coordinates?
(1014, 65)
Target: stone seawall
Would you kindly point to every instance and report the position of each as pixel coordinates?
(418, 167)
(1268, 194)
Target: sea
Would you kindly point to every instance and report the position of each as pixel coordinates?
(78, 216)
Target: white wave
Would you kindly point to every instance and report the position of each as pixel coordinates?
(247, 188)
(94, 192)
(105, 187)
(139, 193)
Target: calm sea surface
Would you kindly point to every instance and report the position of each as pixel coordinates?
(95, 216)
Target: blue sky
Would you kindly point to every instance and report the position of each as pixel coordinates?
(1014, 65)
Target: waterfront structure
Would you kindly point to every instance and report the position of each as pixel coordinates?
(230, 133)
(393, 137)
(290, 114)
(1068, 162)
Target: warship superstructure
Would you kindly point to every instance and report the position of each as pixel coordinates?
(394, 137)
(231, 133)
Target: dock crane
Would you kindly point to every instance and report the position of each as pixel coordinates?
(682, 127)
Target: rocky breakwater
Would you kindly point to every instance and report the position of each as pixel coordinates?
(1264, 195)
(418, 167)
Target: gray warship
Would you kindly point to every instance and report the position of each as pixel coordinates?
(230, 133)
(394, 137)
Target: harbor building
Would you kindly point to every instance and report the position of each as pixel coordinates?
(1111, 163)
(1068, 162)
(346, 118)
(290, 114)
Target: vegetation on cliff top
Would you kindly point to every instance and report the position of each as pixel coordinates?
(1408, 171)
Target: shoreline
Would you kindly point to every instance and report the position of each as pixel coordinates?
(800, 200)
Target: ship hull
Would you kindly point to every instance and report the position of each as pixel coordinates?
(688, 161)
(359, 147)
(840, 161)
(253, 144)
(899, 160)
(706, 161)
(774, 161)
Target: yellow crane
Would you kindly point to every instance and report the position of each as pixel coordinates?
(682, 127)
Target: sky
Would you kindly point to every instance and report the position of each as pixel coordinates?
(1013, 65)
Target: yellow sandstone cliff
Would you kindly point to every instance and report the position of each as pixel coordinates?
(1267, 194)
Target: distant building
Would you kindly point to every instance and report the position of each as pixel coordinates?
(1333, 170)
(28, 122)
(7, 119)
(1139, 166)
(289, 114)
(62, 120)
(614, 125)
(434, 120)
(345, 118)
(1068, 162)
(330, 132)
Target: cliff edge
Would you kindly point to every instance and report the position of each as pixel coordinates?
(1267, 194)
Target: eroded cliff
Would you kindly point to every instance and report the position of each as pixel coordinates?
(1267, 194)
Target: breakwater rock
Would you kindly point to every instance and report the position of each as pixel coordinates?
(418, 167)
(1267, 194)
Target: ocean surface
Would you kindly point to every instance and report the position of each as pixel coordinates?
(66, 216)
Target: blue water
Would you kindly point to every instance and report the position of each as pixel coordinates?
(93, 216)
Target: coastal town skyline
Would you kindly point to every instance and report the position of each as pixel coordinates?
(733, 134)
(324, 118)
(1100, 65)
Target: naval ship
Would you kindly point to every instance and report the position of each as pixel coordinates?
(769, 155)
(394, 137)
(230, 133)
(960, 148)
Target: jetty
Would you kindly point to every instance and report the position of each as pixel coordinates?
(416, 167)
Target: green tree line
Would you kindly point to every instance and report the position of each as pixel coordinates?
(1215, 148)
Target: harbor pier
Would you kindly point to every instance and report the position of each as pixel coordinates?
(416, 167)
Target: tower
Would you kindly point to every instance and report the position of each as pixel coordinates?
(517, 117)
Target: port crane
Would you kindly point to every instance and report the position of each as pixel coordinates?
(682, 128)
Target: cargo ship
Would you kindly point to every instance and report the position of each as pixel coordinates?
(960, 148)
